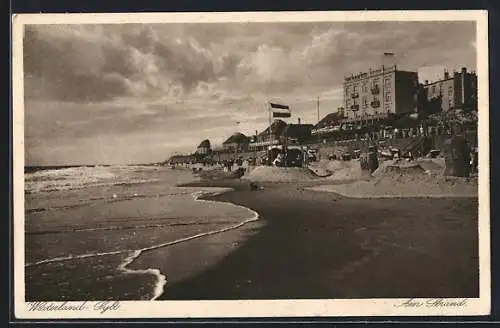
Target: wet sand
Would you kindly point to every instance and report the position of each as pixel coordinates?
(311, 244)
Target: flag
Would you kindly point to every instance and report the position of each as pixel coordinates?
(280, 110)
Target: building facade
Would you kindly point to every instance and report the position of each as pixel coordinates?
(296, 134)
(458, 91)
(270, 136)
(385, 90)
(237, 142)
(204, 148)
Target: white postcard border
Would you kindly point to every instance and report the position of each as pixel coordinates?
(251, 308)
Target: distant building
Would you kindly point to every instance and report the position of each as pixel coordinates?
(381, 91)
(329, 123)
(236, 142)
(271, 135)
(341, 112)
(296, 133)
(457, 91)
(204, 148)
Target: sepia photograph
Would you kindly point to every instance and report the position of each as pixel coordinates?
(254, 164)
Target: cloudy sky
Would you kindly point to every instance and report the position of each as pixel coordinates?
(137, 93)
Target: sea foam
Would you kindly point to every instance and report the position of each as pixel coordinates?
(133, 254)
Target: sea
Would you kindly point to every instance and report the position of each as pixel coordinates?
(85, 226)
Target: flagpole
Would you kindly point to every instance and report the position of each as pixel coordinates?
(319, 137)
(236, 148)
(318, 108)
(270, 134)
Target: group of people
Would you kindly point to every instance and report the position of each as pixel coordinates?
(287, 157)
(230, 164)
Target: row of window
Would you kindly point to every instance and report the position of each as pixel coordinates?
(375, 84)
(375, 112)
(435, 90)
(364, 100)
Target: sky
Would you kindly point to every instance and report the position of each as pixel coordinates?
(138, 93)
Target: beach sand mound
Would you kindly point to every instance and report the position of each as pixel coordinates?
(324, 168)
(279, 174)
(433, 165)
(329, 166)
(348, 171)
(318, 171)
(415, 168)
(396, 179)
(338, 170)
(398, 168)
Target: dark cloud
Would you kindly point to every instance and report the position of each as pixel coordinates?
(113, 61)
(56, 70)
(144, 82)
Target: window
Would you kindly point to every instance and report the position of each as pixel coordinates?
(450, 90)
(387, 81)
(354, 88)
(365, 102)
(388, 97)
(433, 89)
(364, 87)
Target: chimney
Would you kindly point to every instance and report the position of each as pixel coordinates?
(446, 74)
(464, 70)
(299, 120)
(426, 82)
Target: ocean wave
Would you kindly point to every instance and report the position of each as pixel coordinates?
(85, 177)
(161, 279)
(110, 228)
(132, 255)
(51, 186)
(112, 198)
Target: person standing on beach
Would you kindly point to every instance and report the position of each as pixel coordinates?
(457, 154)
(474, 161)
(467, 159)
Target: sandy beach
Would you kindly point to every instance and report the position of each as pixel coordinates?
(220, 239)
(321, 245)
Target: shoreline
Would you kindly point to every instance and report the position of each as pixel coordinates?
(326, 189)
(129, 256)
(290, 249)
(293, 248)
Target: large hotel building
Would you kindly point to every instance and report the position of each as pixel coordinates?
(457, 91)
(380, 92)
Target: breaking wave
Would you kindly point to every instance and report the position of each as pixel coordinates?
(83, 177)
(133, 254)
